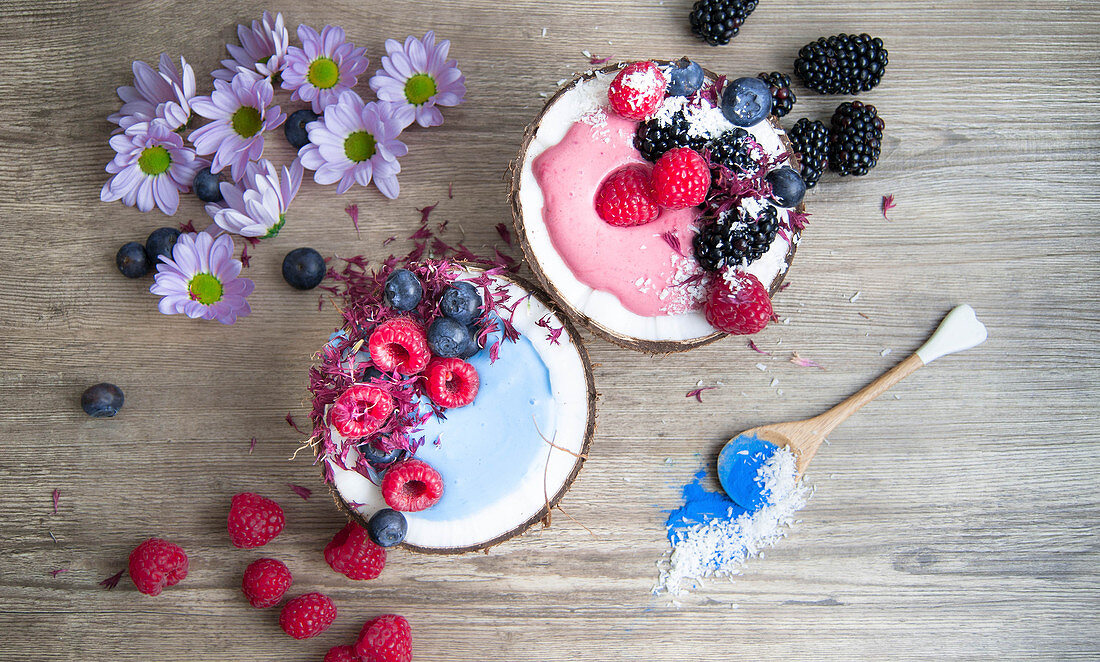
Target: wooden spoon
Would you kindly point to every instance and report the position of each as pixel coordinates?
(959, 330)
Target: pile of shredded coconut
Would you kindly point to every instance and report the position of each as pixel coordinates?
(720, 544)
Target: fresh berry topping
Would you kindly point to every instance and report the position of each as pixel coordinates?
(779, 84)
(342, 654)
(132, 261)
(399, 344)
(387, 527)
(304, 268)
(207, 186)
(387, 638)
(738, 304)
(638, 90)
(265, 582)
(473, 347)
(810, 140)
(412, 486)
(717, 21)
(684, 78)
(353, 554)
(657, 136)
(101, 400)
(461, 302)
(855, 140)
(736, 150)
(307, 615)
(680, 179)
(160, 243)
(155, 564)
(842, 64)
(253, 520)
(625, 198)
(452, 382)
(403, 290)
(746, 101)
(295, 128)
(360, 410)
(788, 189)
(372, 453)
(736, 238)
(448, 337)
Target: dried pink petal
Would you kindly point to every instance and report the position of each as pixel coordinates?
(673, 240)
(698, 392)
(753, 347)
(505, 233)
(56, 499)
(804, 363)
(887, 205)
(112, 581)
(389, 240)
(425, 211)
(54, 573)
(451, 190)
(251, 445)
(291, 423)
(303, 492)
(245, 257)
(353, 212)
(189, 226)
(598, 60)
(320, 303)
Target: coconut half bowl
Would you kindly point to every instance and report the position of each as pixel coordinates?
(543, 483)
(543, 258)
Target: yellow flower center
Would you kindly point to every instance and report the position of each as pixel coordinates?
(323, 73)
(205, 288)
(154, 160)
(419, 89)
(359, 146)
(247, 121)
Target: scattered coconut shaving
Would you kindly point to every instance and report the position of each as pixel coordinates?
(711, 536)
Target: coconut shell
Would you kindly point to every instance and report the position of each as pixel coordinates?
(514, 173)
(570, 336)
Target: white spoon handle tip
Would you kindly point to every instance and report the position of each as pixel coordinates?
(958, 331)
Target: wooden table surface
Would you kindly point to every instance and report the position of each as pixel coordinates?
(955, 520)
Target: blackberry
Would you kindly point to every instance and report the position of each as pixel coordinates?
(735, 237)
(842, 64)
(717, 21)
(782, 97)
(733, 149)
(654, 139)
(855, 139)
(810, 140)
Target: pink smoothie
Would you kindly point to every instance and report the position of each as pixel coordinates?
(635, 264)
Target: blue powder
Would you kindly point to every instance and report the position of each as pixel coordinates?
(700, 505)
(739, 464)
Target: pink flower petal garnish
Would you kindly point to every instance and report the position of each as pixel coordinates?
(451, 190)
(251, 445)
(804, 363)
(56, 499)
(598, 60)
(245, 257)
(112, 581)
(54, 573)
(303, 492)
(353, 211)
(505, 233)
(753, 347)
(673, 241)
(320, 303)
(389, 240)
(189, 226)
(698, 392)
(291, 423)
(887, 205)
(425, 212)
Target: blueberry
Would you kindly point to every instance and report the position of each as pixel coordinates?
(304, 268)
(207, 186)
(132, 260)
(746, 101)
(160, 242)
(295, 127)
(461, 302)
(387, 527)
(685, 78)
(372, 373)
(376, 455)
(448, 337)
(102, 400)
(788, 189)
(403, 290)
(471, 347)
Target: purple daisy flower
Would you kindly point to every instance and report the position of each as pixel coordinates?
(357, 142)
(151, 167)
(157, 95)
(256, 206)
(420, 76)
(241, 115)
(263, 48)
(200, 280)
(325, 65)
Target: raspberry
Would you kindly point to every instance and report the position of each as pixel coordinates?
(265, 582)
(341, 654)
(399, 344)
(353, 554)
(738, 304)
(155, 564)
(253, 520)
(452, 382)
(412, 486)
(638, 90)
(307, 615)
(680, 179)
(625, 198)
(360, 410)
(387, 638)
